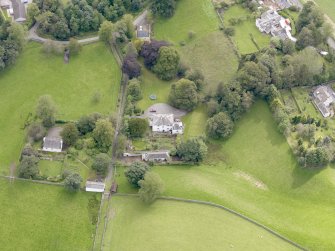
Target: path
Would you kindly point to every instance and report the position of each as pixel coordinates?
(33, 36)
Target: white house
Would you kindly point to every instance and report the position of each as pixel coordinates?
(272, 23)
(52, 144)
(324, 96)
(156, 156)
(143, 32)
(166, 123)
(94, 186)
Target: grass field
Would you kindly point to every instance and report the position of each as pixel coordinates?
(244, 30)
(170, 225)
(209, 50)
(255, 173)
(152, 85)
(41, 217)
(195, 122)
(72, 87)
(327, 6)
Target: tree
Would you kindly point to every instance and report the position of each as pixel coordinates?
(219, 126)
(32, 12)
(101, 163)
(197, 77)
(316, 158)
(150, 52)
(163, 8)
(61, 30)
(183, 95)
(167, 63)
(151, 187)
(46, 110)
(254, 77)
(72, 182)
(134, 89)
(131, 67)
(193, 150)
(70, 134)
(137, 127)
(136, 172)
(36, 131)
(106, 32)
(103, 135)
(74, 46)
(86, 123)
(28, 167)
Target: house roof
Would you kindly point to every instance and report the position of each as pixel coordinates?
(143, 31)
(95, 185)
(5, 3)
(323, 97)
(162, 119)
(52, 143)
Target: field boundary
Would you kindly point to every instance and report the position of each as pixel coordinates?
(32, 181)
(207, 203)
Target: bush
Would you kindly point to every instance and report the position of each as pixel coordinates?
(52, 48)
(36, 131)
(229, 31)
(101, 163)
(131, 67)
(103, 135)
(86, 124)
(134, 89)
(74, 46)
(183, 95)
(136, 172)
(46, 110)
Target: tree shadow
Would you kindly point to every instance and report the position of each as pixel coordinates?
(302, 175)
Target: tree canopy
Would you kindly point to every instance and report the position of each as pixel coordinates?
(103, 135)
(72, 182)
(101, 163)
(183, 95)
(46, 110)
(167, 63)
(152, 187)
(163, 8)
(219, 126)
(192, 150)
(70, 134)
(135, 172)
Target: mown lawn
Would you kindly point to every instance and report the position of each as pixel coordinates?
(255, 173)
(195, 122)
(170, 225)
(42, 217)
(209, 50)
(245, 30)
(72, 87)
(152, 85)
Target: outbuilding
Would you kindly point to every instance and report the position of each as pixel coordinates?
(52, 144)
(94, 186)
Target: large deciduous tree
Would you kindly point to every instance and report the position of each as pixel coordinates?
(103, 135)
(150, 52)
(163, 8)
(70, 134)
(136, 172)
(46, 110)
(137, 127)
(167, 63)
(101, 163)
(72, 182)
(28, 167)
(192, 150)
(152, 187)
(131, 67)
(183, 95)
(219, 126)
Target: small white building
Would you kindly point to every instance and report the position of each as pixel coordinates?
(156, 156)
(94, 186)
(166, 123)
(323, 98)
(52, 144)
(143, 32)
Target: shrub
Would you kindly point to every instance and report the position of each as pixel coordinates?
(46, 110)
(137, 127)
(167, 63)
(193, 150)
(220, 126)
(131, 67)
(103, 135)
(36, 131)
(87, 123)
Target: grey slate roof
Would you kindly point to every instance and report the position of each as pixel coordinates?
(54, 143)
(95, 185)
(156, 155)
(163, 120)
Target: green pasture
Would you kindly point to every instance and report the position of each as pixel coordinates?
(255, 172)
(167, 225)
(43, 217)
(72, 86)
